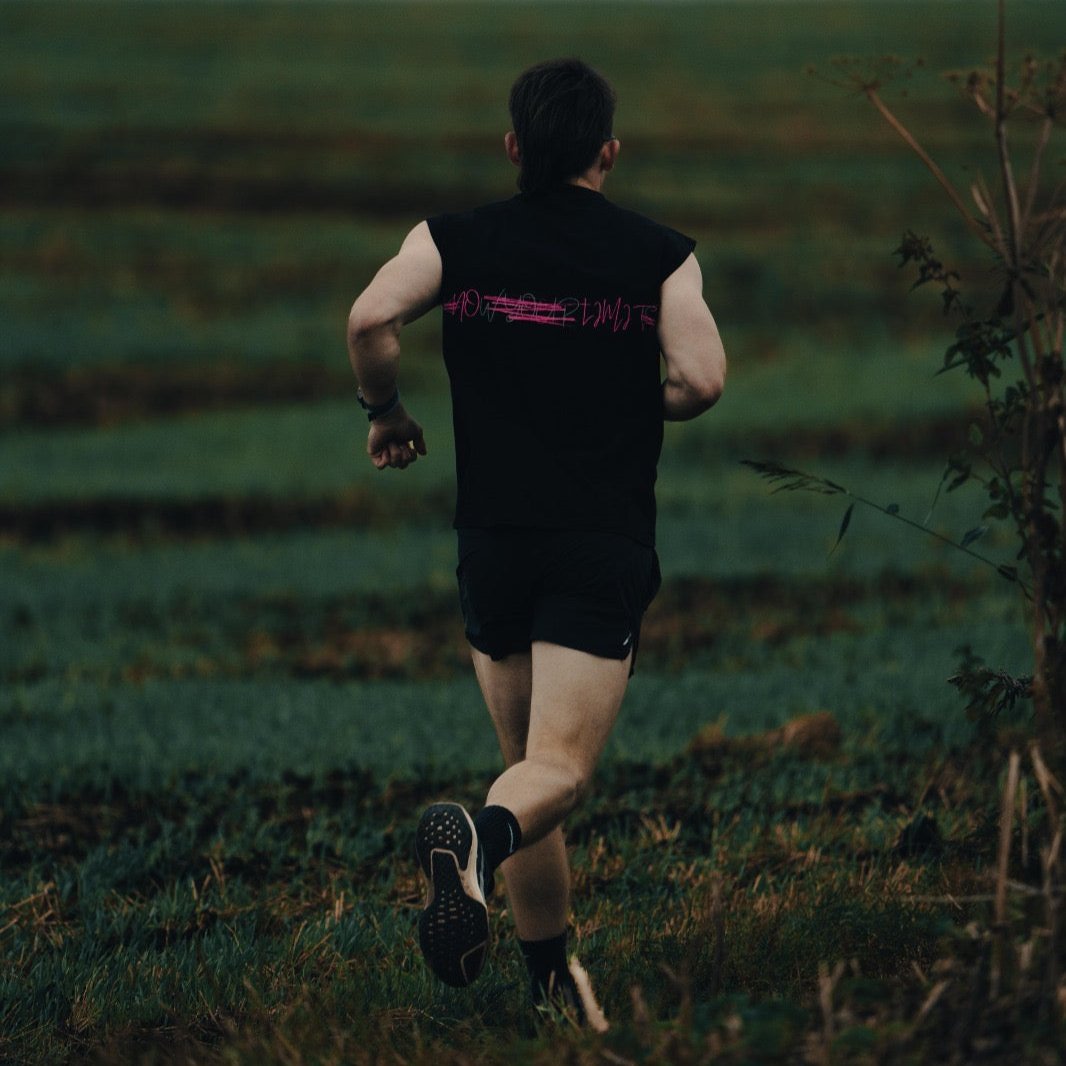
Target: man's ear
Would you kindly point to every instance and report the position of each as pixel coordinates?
(510, 143)
(609, 154)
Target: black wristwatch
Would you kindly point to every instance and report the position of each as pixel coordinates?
(378, 410)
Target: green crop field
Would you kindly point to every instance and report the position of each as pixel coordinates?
(232, 669)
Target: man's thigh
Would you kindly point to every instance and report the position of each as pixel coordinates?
(506, 685)
(575, 701)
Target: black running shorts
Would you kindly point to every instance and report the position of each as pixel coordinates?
(583, 590)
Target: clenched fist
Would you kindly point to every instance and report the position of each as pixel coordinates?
(395, 440)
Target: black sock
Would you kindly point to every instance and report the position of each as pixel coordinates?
(551, 983)
(545, 959)
(499, 835)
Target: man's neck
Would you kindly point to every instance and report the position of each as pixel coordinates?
(589, 181)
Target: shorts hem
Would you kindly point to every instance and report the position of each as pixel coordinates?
(601, 651)
(497, 653)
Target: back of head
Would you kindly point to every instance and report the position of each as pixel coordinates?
(562, 112)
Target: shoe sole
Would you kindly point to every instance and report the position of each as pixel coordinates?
(453, 930)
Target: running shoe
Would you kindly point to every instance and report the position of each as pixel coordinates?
(453, 930)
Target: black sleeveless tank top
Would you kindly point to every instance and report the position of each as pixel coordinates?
(549, 304)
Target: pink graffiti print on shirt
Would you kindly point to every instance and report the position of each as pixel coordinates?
(615, 314)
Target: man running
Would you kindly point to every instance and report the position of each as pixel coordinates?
(557, 308)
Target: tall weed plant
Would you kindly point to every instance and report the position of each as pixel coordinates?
(1012, 348)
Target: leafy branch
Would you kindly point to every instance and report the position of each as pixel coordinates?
(786, 479)
(987, 691)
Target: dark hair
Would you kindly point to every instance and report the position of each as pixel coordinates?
(562, 112)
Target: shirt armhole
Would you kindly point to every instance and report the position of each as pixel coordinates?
(438, 230)
(677, 247)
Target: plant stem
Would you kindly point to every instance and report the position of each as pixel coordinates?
(923, 155)
(1007, 171)
(933, 533)
(1034, 170)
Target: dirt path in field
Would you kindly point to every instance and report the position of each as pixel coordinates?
(144, 519)
(419, 636)
(150, 519)
(110, 395)
(690, 619)
(106, 396)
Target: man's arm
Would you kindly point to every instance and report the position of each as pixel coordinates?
(405, 288)
(691, 347)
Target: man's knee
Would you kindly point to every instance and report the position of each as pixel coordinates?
(571, 774)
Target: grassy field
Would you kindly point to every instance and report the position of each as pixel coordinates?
(231, 665)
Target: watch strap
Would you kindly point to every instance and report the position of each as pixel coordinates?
(378, 410)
